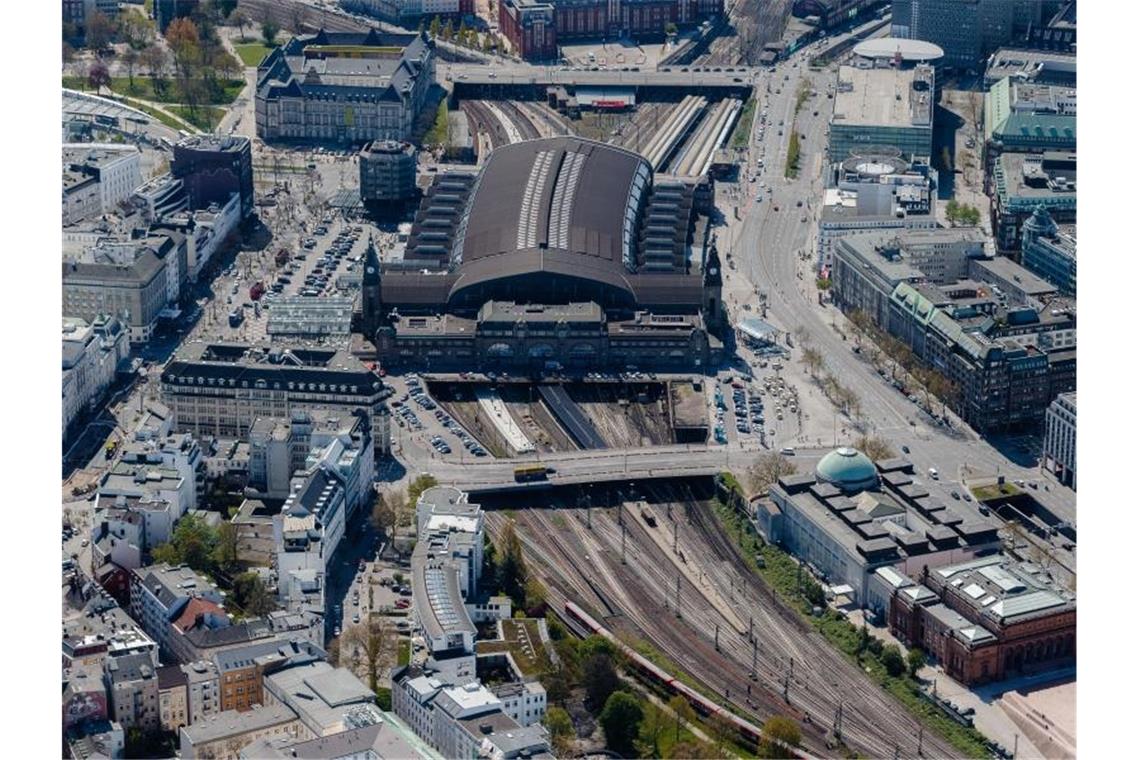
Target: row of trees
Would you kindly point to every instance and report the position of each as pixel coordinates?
(888, 352)
(464, 35)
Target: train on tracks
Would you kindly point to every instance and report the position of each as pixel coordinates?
(748, 732)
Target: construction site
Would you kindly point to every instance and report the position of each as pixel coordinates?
(635, 556)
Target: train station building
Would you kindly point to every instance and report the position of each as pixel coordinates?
(562, 253)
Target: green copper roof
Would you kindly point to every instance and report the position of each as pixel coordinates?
(848, 469)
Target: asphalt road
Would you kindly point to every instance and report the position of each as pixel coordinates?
(765, 250)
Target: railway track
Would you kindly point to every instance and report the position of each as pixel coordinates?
(483, 122)
(639, 597)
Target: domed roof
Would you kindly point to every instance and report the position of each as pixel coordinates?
(848, 469)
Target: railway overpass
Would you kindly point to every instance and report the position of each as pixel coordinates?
(605, 466)
(689, 78)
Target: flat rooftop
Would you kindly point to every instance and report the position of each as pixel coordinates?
(884, 97)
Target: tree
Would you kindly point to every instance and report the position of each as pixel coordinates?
(417, 487)
(226, 8)
(599, 678)
(135, 29)
(384, 515)
(269, 32)
(130, 61)
(239, 19)
(722, 730)
(252, 596)
(670, 29)
(892, 660)
(813, 360)
(781, 734)
(915, 659)
(98, 76)
(768, 469)
(448, 31)
(682, 713)
(226, 551)
(462, 35)
(512, 576)
(433, 29)
(192, 543)
(68, 53)
(621, 722)
(182, 36)
(875, 448)
(372, 639)
(653, 724)
(153, 59)
(99, 31)
(561, 728)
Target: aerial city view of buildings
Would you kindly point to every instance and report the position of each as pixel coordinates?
(550, 378)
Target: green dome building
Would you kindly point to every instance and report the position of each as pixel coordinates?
(848, 470)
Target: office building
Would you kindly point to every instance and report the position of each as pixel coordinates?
(1059, 452)
(115, 169)
(207, 387)
(967, 30)
(387, 738)
(988, 619)
(879, 108)
(464, 721)
(387, 171)
(1033, 66)
(1028, 117)
(410, 10)
(1058, 33)
(222, 736)
(853, 516)
(1049, 252)
(1023, 183)
(530, 28)
(536, 29)
(304, 317)
(327, 700)
(829, 14)
(131, 288)
(344, 87)
(867, 267)
(92, 357)
(280, 449)
(213, 168)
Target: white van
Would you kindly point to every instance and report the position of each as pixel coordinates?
(933, 473)
(788, 451)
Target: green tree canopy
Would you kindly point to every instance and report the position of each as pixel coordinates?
(892, 660)
(621, 722)
(600, 679)
(779, 729)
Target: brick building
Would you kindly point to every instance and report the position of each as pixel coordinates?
(535, 27)
(988, 619)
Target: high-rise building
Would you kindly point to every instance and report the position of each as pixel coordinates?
(212, 168)
(967, 30)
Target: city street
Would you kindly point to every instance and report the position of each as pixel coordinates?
(765, 248)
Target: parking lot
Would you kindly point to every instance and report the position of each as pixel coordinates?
(420, 422)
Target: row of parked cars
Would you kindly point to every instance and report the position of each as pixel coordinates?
(453, 427)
